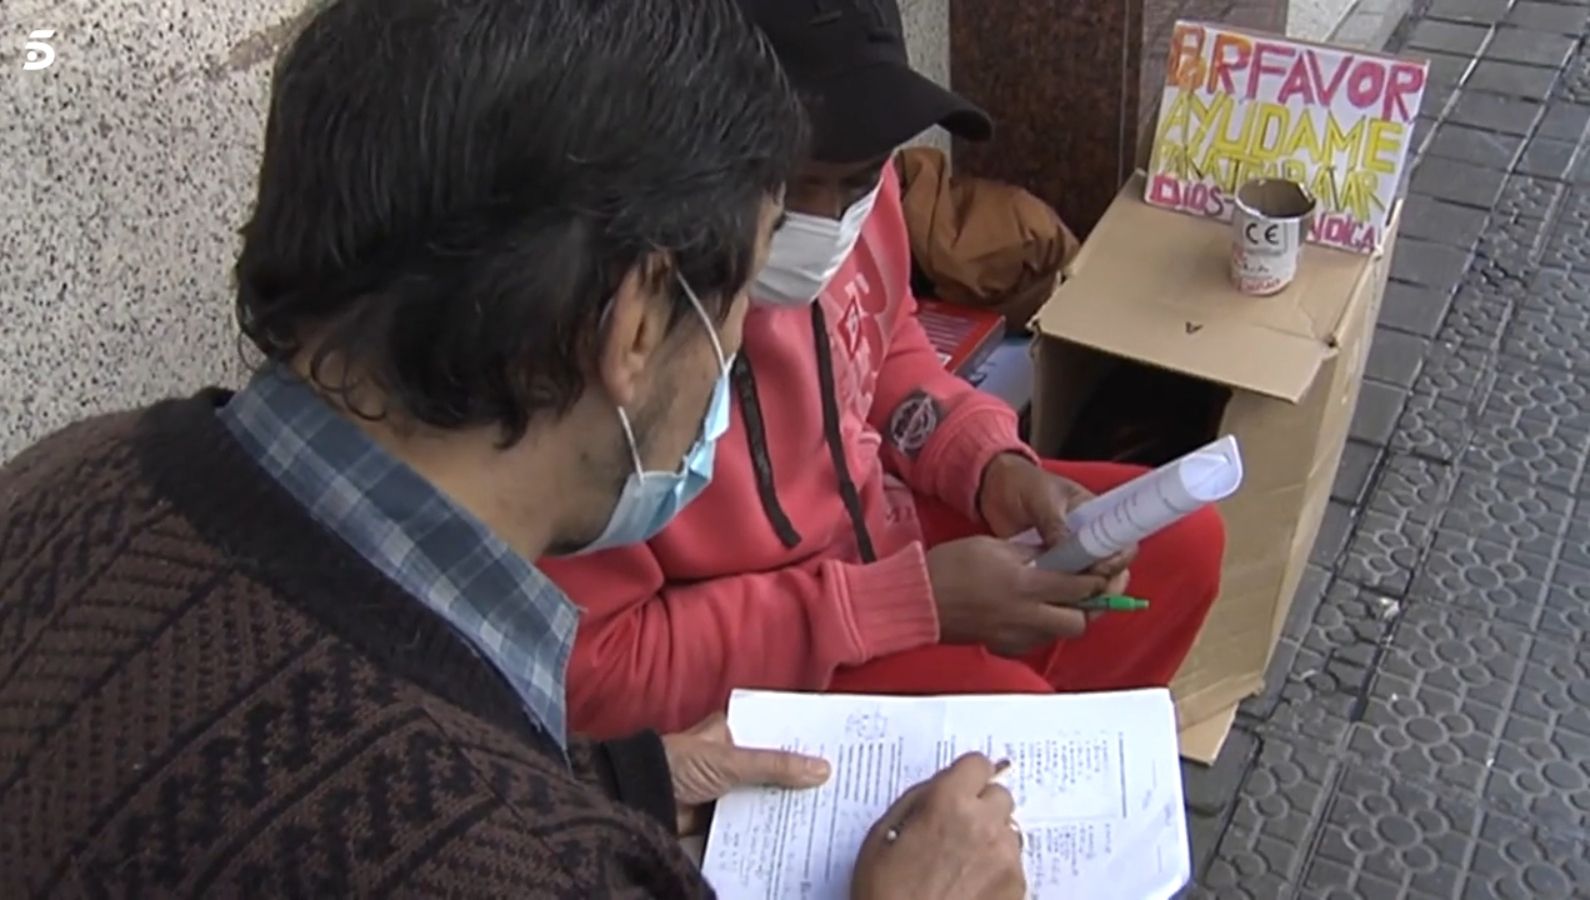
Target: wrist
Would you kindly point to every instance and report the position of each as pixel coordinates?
(891, 604)
(692, 820)
(1001, 463)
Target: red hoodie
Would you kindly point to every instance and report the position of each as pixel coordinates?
(757, 587)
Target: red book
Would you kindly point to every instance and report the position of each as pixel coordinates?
(962, 335)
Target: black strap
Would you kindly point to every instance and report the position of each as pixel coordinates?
(744, 380)
(836, 447)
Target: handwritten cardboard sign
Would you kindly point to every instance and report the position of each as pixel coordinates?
(1239, 105)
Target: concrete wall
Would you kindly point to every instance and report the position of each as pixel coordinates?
(927, 35)
(1315, 20)
(124, 173)
(125, 170)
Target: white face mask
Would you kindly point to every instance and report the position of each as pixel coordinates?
(807, 251)
(649, 499)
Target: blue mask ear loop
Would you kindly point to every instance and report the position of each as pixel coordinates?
(623, 417)
(706, 321)
(717, 347)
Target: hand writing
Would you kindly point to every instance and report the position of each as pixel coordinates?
(950, 837)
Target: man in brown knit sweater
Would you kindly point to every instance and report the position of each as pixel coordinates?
(287, 642)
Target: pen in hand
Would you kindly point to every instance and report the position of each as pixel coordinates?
(999, 776)
(1002, 778)
(1112, 603)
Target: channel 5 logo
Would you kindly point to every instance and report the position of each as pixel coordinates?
(38, 53)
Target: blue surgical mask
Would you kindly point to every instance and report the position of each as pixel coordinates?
(650, 500)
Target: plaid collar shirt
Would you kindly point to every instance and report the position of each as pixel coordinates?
(502, 605)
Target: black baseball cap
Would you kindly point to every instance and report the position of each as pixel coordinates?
(848, 59)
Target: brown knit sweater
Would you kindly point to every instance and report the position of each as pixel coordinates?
(203, 693)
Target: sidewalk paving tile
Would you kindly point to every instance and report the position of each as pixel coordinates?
(1459, 182)
(1332, 663)
(1547, 339)
(1435, 220)
(1440, 696)
(1448, 37)
(1554, 17)
(1431, 265)
(1457, 373)
(1424, 729)
(1295, 631)
(1394, 532)
(1334, 530)
(1446, 69)
(1525, 45)
(1484, 12)
(1526, 517)
(1517, 858)
(1389, 836)
(1565, 121)
(1510, 115)
(1542, 765)
(1513, 237)
(1521, 391)
(1569, 244)
(1521, 221)
(1576, 80)
(1353, 475)
(1512, 79)
(1524, 196)
(1548, 158)
(1531, 450)
(1414, 308)
(1264, 849)
(1395, 357)
(1479, 316)
(1379, 405)
(1210, 789)
(1432, 105)
(1566, 611)
(1576, 548)
(1483, 576)
(1476, 145)
(1433, 428)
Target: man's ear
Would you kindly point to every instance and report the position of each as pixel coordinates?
(635, 326)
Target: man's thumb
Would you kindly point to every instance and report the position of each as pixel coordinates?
(780, 768)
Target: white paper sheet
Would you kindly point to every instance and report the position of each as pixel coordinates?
(1096, 779)
(1113, 521)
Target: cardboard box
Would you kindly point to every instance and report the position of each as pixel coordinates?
(1151, 287)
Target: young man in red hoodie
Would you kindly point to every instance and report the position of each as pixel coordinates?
(853, 534)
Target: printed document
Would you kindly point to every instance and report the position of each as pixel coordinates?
(1096, 778)
(1111, 522)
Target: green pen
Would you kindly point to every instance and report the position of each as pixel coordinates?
(1113, 603)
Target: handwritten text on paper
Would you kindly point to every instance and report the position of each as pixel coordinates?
(1238, 106)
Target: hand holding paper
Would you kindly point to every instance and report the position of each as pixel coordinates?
(1116, 520)
(988, 593)
(1016, 495)
(1095, 783)
(706, 763)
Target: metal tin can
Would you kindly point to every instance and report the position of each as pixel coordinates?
(1267, 231)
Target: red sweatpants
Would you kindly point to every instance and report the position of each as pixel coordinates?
(1177, 570)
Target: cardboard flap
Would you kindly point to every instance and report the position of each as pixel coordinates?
(1154, 286)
